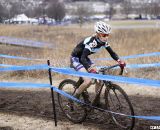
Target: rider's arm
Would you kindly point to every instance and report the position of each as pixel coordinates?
(112, 53)
(116, 57)
(84, 56)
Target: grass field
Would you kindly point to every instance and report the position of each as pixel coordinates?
(123, 42)
(30, 109)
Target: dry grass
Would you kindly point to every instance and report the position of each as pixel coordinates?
(124, 42)
(33, 103)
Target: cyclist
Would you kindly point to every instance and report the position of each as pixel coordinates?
(79, 57)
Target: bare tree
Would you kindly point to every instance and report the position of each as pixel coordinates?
(155, 9)
(16, 9)
(111, 11)
(34, 12)
(147, 9)
(82, 13)
(56, 10)
(140, 8)
(127, 7)
(3, 14)
(30, 12)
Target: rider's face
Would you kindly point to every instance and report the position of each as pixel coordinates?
(103, 37)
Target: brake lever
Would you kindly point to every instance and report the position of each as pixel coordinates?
(124, 70)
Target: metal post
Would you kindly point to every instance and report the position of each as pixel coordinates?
(52, 93)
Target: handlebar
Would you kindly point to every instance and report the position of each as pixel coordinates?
(103, 69)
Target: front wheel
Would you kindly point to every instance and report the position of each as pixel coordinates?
(118, 101)
(75, 112)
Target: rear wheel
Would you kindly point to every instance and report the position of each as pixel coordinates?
(118, 101)
(75, 112)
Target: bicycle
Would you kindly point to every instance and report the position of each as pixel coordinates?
(115, 97)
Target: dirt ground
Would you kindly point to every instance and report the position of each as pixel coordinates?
(31, 109)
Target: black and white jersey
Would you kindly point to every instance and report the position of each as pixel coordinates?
(89, 46)
(91, 43)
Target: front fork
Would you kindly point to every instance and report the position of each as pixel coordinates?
(108, 84)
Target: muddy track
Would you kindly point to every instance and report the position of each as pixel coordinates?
(37, 103)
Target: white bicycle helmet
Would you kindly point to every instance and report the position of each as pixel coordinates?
(101, 27)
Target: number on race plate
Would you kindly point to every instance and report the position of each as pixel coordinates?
(93, 44)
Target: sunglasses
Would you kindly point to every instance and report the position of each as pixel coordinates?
(104, 35)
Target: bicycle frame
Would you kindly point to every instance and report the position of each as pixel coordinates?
(108, 83)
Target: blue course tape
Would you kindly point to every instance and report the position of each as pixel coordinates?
(130, 66)
(17, 57)
(37, 85)
(24, 42)
(136, 65)
(143, 65)
(133, 56)
(33, 67)
(148, 117)
(79, 101)
(121, 79)
(5, 65)
(23, 85)
(74, 73)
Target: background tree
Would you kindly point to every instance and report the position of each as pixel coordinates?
(16, 8)
(3, 13)
(56, 10)
(112, 11)
(82, 13)
(30, 12)
(34, 12)
(146, 9)
(155, 9)
(127, 7)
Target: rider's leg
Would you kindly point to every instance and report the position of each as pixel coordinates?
(75, 63)
(84, 85)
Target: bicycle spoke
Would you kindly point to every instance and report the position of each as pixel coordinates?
(111, 99)
(120, 106)
(73, 111)
(118, 101)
